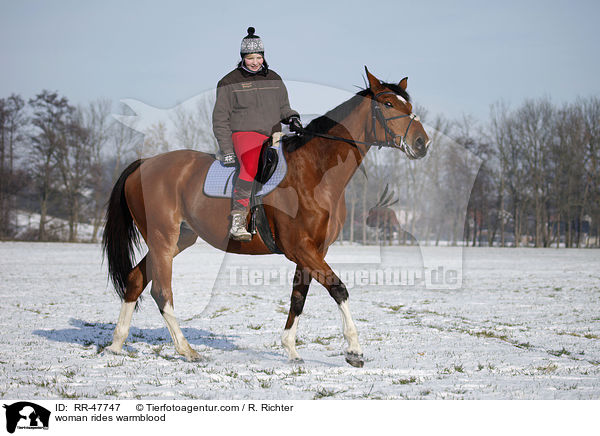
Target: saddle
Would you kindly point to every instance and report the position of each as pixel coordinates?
(272, 168)
(271, 171)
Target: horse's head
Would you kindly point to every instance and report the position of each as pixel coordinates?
(396, 122)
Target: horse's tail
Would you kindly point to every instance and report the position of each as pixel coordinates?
(120, 235)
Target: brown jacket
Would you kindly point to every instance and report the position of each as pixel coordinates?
(249, 103)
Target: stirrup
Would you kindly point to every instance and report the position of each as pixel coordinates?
(238, 230)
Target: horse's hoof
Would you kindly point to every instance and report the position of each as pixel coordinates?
(112, 352)
(195, 357)
(355, 359)
(296, 360)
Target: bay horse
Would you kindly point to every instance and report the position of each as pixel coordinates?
(162, 197)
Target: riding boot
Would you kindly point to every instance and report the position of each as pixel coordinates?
(239, 211)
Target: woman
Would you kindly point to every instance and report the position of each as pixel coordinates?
(251, 103)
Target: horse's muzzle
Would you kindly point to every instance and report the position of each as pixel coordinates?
(418, 150)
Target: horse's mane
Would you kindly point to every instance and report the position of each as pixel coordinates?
(332, 118)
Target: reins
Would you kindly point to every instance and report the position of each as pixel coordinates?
(377, 115)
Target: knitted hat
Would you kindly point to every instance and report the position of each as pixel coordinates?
(251, 44)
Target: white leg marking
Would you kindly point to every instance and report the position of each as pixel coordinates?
(288, 340)
(181, 344)
(350, 332)
(122, 328)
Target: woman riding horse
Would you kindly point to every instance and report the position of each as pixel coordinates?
(251, 102)
(306, 211)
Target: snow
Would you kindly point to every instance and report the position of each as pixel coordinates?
(524, 325)
(28, 223)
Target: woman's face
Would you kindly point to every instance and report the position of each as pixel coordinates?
(253, 61)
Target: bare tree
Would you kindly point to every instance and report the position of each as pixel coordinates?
(96, 120)
(155, 142)
(590, 112)
(12, 121)
(193, 127)
(124, 141)
(51, 115)
(73, 160)
(498, 139)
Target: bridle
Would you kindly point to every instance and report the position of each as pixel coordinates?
(378, 116)
(390, 136)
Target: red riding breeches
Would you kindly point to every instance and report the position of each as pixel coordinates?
(247, 147)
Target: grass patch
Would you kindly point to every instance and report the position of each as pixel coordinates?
(559, 353)
(453, 369)
(579, 335)
(525, 345)
(44, 383)
(115, 364)
(190, 396)
(325, 393)
(69, 373)
(298, 371)
(64, 393)
(267, 371)
(490, 334)
(111, 392)
(219, 312)
(323, 340)
(231, 374)
(392, 308)
(548, 368)
(404, 381)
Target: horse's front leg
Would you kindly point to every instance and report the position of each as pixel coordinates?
(312, 261)
(354, 354)
(299, 290)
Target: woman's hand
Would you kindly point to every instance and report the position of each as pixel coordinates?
(295, 124)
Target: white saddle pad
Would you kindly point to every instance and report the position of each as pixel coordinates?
(219, 179)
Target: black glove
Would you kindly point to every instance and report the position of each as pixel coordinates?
(295, 124)
(229, 160)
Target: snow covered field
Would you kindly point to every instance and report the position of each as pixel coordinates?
(525, 325)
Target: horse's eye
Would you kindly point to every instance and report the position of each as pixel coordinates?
(388, 104)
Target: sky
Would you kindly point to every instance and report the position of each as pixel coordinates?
(460, 56)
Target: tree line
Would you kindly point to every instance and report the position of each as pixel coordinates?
(54, 161)
(527, 176)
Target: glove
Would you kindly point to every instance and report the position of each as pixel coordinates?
(295, 124)
(229, 160)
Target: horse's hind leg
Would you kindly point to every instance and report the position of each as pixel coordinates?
(299, 290)
(138, 279)
(136, 283)
(161, 252)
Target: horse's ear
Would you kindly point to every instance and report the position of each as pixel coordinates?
(374, 83)
(403, 83)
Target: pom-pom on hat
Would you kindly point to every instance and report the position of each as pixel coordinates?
(251, 44)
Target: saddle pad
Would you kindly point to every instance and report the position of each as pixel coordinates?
(219, 179)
